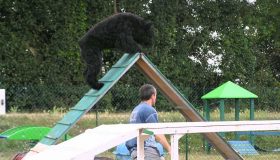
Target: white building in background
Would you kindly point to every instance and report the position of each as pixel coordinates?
(2, 102)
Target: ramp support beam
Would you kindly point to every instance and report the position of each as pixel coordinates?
(184, 106)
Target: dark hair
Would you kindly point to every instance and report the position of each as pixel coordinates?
(146, 91)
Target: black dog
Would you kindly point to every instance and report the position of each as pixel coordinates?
(123, 31)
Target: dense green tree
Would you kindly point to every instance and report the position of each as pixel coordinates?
(198, 45)
(267, 44)
(39, 47)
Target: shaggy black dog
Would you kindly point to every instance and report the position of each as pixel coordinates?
(123, 31)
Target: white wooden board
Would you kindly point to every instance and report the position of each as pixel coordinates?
(97, 140)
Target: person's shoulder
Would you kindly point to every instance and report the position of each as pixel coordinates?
(144, 105)
(147, 108)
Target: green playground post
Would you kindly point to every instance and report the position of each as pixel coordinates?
(187, 147)
(222, 113)
(222, 110)
(252, 109)
(237, 117)
(206, 110)
(252, 117)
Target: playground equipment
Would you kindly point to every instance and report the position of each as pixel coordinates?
(105, 137)
(263, 133)
(32, 133)
(243, 147)
(110, 78)
(229, 90)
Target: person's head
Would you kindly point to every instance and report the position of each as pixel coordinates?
(148, 93)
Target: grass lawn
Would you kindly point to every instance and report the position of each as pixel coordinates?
(195, 148)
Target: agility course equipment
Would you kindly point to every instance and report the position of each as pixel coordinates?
(105, 137)
(243, 147)
(33, 133)
(263, 133)
(229, 90)
(90, 99)
(158, 79)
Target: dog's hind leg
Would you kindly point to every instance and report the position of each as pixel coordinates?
(93, 58)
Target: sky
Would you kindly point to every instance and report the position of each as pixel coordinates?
(251, 1)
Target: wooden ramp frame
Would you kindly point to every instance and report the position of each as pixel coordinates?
(95, 141)
(158, 79)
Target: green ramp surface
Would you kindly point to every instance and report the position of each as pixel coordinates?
(90, 99)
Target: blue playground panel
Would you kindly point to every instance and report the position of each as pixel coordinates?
(261, 133)
(243, 147)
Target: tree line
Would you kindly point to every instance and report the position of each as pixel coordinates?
(198, 45)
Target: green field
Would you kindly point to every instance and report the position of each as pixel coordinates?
(195, 148)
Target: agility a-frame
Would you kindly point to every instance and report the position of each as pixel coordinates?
(158, 79)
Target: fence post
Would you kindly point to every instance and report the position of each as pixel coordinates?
(96, 117)
(207, 111)
(2, 102)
